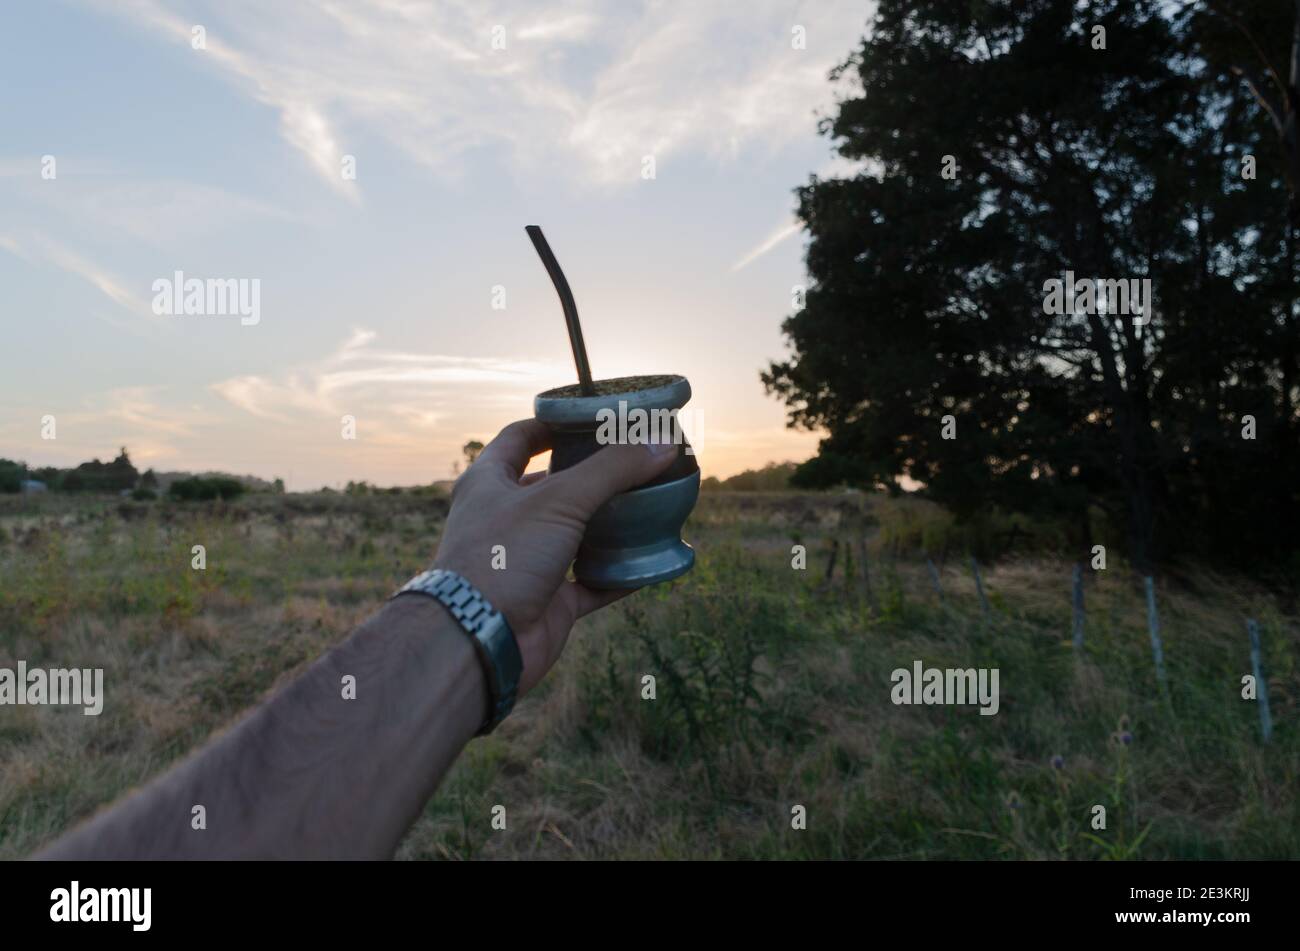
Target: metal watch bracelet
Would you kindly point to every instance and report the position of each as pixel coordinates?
(494, 642)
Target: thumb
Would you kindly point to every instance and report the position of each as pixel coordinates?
(611, 470)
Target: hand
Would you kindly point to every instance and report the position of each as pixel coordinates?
(539, 520)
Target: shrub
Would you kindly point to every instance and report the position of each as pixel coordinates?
(11, 475)
(195, 489)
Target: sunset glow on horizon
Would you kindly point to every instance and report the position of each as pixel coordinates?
(371, 167)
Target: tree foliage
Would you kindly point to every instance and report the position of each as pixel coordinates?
(927, 292)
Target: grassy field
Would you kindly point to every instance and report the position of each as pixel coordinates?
(772, 686)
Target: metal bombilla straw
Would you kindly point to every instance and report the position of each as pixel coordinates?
(570, 308)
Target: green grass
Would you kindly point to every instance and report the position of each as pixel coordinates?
(772, 686)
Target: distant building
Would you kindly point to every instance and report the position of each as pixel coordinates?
(32, 485)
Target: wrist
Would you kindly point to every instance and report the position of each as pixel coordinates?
(486, 630)
(450, 679)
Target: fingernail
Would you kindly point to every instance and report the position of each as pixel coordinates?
(660, 449)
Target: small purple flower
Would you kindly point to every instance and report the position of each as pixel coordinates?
(1126, 737)
(1058, 762)
(1013, 801)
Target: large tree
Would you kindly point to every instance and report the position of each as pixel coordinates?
(1097, 141)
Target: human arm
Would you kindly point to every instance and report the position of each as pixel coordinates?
(310, 774)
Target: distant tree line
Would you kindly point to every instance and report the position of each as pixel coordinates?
(121, 476)
(773, 477)
(93, 476)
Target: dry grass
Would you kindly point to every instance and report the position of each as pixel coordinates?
(772, 687)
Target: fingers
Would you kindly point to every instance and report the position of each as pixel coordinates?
(587, 600)
(614, 469)
(515, 445)
(529, 478)
(571, 601)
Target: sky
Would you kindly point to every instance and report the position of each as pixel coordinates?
(371, 165)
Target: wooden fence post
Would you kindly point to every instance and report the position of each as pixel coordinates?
(866, 567)
(934, 576)
(1261, 685)
(1153, 625)
(830, 565)
(979, 585)
(1078, 606)
(866, 572)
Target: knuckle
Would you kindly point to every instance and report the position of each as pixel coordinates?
(517, 430)
(461, 485)
(566, 496)
(550, 490)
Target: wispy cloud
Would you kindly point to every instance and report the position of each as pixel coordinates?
(602, 86)
(139, 408)
(575, 27)
(836, 167)
(146, 419)
(112, 288)
(160, 213)
(357, 378)
(766, 245)
(271, 80)
(40, 247)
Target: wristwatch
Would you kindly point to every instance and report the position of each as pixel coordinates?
(493, 640)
